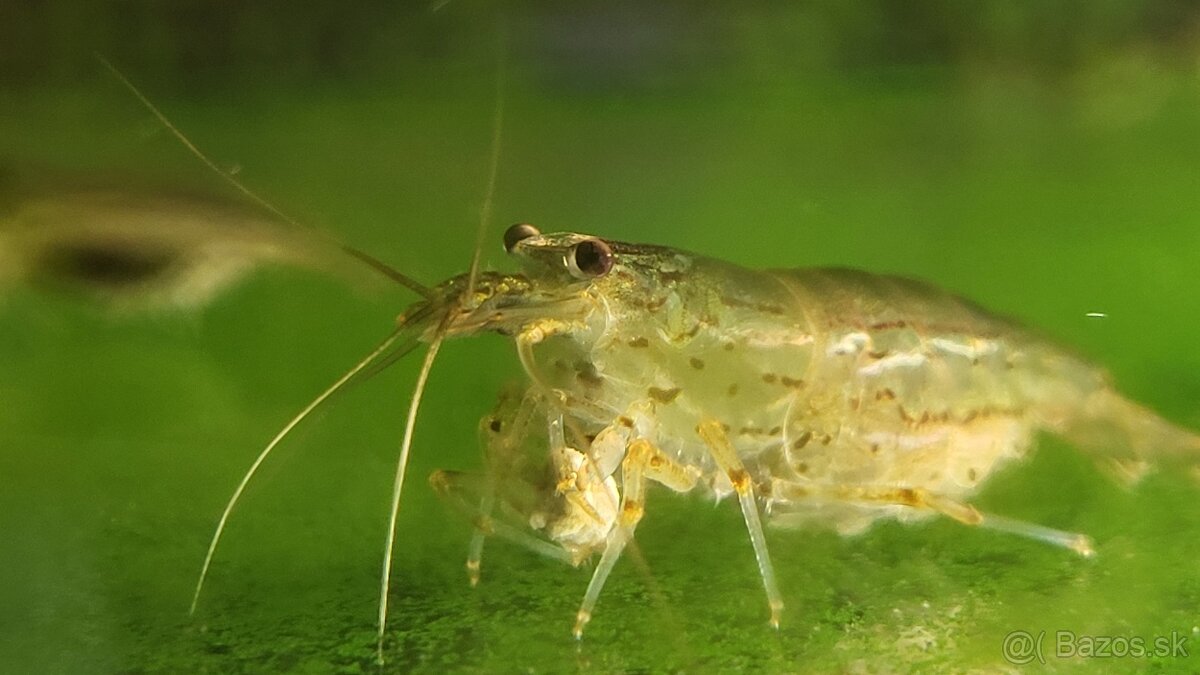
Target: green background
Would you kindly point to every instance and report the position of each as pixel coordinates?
(1042, 161)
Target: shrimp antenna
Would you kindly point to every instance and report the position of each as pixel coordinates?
(401, 469)
(262, 456)
(389, 271)
(489, 193)
(485, 215)
(370, 260)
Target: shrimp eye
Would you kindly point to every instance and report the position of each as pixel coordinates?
(518, 232)
(590, 258)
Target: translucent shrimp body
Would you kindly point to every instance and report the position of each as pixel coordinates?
(827, 396)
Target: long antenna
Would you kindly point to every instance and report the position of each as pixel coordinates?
(485, 215)
(389, 272)
(371, 261)
(266, 452)
(485, 210)
(401, 469)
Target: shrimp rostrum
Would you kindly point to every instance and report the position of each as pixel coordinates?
(819, 396)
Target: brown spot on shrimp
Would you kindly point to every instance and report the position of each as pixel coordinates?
(586, 373)
(664, 396)
(639, 342)
(696, 363)
(770, 378)
(792, 383)
(802, 440)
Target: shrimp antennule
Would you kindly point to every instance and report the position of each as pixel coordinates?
(336, 387)
(435, 344)
(371, 261)
(401, 469)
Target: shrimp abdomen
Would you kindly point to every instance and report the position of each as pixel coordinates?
(936, 352)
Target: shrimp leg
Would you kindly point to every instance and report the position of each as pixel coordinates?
(726, 457)
(923, 499)
(457, 489)
(502, 433)
(642, 461)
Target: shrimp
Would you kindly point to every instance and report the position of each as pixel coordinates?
(819, 396)
(828, 397)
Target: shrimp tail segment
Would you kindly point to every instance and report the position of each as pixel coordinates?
(1130, 439)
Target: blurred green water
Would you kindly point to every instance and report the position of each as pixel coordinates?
(1045, 195)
